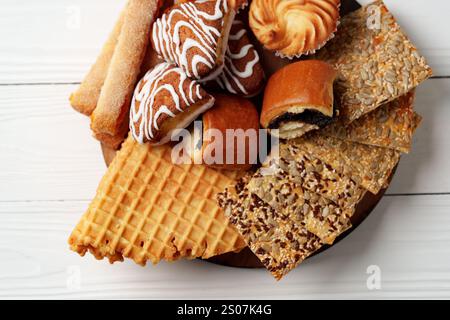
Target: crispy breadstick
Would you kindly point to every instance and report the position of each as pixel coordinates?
(113, 105)
(85, 99)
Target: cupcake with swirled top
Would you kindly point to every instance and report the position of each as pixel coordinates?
(293, 28)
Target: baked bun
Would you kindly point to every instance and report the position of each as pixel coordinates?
(243, 73)
(230, 113)
(165, 100)
(194, 36)
(299, 98)
(293, 28)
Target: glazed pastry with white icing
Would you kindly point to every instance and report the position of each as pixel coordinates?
(243, 73)
(293, 28)
(194, 36)
(165, 100)
(237, 5)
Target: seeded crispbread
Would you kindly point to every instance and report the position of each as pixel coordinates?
(321, 216)
(376, 61)
(281, 242)
(390, 126)
(368, 166)
(319, 177)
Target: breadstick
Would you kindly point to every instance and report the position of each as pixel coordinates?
(85, 98)
(113, 105)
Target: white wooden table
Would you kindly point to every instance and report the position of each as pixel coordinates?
(50, 167)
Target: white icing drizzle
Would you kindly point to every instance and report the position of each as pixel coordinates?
(161, 110)
(237, 36)
(231, 77)
(241, 54)
(167, 42)
(144, 118)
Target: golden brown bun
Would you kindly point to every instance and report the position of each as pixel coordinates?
(299, 87)
(231, 112)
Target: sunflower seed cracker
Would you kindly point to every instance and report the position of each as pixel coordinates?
(390, 126)
(368, 166)
(321, 216)
(376, 61)
(279, 241)
(319, 177)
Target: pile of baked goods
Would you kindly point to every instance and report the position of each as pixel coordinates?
(335, 91)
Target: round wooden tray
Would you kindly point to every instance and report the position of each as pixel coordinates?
(246, 259)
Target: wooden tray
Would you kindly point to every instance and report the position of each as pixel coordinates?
(246, 259)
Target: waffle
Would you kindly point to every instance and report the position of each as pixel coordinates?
(147, 208)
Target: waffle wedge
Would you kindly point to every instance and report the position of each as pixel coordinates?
(147, 208)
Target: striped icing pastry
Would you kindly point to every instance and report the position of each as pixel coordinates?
(293, 28)
(165, 100)
(242, 74)
(193, 35)
(237, 5)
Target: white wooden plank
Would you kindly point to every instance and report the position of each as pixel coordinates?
(408, 238)
(52, 41)
(33, 50)
(426, 169)
(48, 152)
